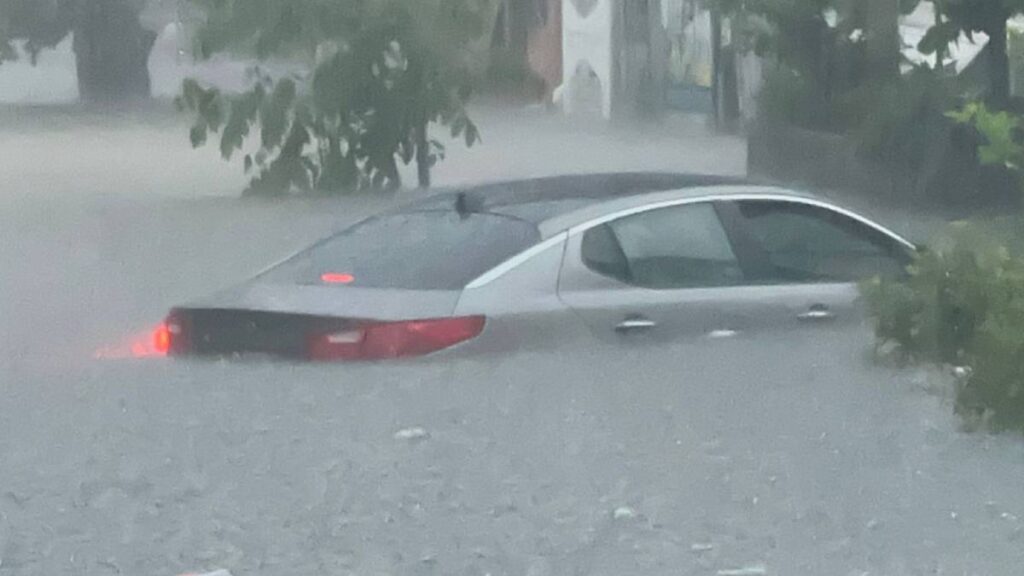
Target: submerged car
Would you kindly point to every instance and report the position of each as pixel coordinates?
(630, 258)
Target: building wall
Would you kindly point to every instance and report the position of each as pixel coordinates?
(587, 52)
(544, 49)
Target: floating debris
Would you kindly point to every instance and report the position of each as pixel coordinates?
(702, 547)
(624, 513)
(412, 434)
(758, 570)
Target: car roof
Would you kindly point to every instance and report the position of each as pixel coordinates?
(540, 199)
(620, 206)
(556, 203)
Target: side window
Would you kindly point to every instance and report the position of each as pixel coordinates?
(807, 244)
(603, 254)
(676, 247)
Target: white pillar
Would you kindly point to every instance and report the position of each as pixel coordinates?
(587, 46)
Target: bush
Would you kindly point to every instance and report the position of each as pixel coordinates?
(963, 305)
(902, 121)
(509, 74)
(788, 98)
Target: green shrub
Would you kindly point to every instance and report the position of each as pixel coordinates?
(507, 73)
(901, 121)
(789, 98)
(963, 305)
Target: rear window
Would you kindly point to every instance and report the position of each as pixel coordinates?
(410, 251)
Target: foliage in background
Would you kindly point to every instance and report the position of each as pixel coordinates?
(789, 98)
(38, 23)
(508, 74)
(111, 45)
(807, 38)
(380, 73)
(1002, 134)
(902, 121)
(970, 17)
(963, 305)
(818, 80)
(963, 302)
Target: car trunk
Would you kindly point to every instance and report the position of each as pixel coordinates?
(280, 320)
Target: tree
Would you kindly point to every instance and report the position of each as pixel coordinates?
(111, 45)
(801, 35)
(968, 17)
(379, 73)
(883, 40)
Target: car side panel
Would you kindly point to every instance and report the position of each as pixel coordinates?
(812, 305)
(678, 314)
(522, 308)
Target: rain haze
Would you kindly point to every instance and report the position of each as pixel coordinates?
(754, 395)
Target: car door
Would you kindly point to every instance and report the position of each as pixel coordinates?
(723, 269)
(659, 275)
(805, 258)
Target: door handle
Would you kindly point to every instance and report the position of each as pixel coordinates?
(638, 324)
(817, 313)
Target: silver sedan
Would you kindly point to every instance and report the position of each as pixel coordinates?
(628, 259)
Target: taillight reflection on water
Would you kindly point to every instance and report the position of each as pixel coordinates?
(156, 343)
(150, 344)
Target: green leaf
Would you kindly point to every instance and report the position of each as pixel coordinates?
(274, 114)
(234, 134)
(359, 125)
(472, 134)
(197, 135)
(243, 113)
(939, 37)
(7, 51)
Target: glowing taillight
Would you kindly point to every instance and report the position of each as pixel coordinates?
(394, 339)
(334, 278)
(162, 339)
(171, 337)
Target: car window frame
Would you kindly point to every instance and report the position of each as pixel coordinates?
(608, 223)
(754, 257)
(570, 234)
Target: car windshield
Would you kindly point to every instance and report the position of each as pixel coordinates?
(433, 250)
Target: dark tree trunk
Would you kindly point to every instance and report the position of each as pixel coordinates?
(998, 63)
(725, 94)
(422, 156)
(112, 52)
(883, 40)
(716, 64)
(729, 94)
(519, 18)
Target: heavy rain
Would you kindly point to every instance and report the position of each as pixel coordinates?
(833, 448)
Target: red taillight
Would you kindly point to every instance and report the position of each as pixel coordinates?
(169, 337)
(162, 339)
(333, 278)
(394, 339)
